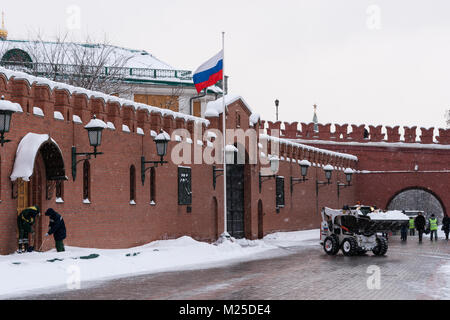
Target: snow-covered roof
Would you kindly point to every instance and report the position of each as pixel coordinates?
(26, 155)
(95, 94)
(215, 108)
(39, 51)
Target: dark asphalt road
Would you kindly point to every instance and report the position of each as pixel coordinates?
(298, 273)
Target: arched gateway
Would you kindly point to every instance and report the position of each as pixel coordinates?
(38, 166)
(418, 199)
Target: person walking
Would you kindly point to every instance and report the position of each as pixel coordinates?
(404, 233)
(57, 228)
(420, 223)
(434, 227)
(446, 226)
(25, 222)
(412, 227)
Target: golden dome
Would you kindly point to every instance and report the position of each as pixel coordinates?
(3, 34)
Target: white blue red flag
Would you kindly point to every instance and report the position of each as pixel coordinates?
(209, 73)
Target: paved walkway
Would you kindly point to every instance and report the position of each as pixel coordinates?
(298, 273)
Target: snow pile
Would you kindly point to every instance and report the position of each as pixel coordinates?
(77, 119)
(38, 111)
(389, 215)
(58, 115)
(307, 238)
(33, 271)
(26, 154)
(6, 105)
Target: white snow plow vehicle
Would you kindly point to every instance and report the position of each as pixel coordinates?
(357, 231)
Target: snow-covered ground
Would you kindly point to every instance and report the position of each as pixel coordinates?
(443, 291)
(77, 266)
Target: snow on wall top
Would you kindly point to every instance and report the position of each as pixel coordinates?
(6, 105)
(26, 155)
(306, 147)
(95, 94)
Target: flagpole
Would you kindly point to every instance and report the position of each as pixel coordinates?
(224, 130)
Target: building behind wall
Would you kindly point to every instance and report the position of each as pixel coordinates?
(143, 77)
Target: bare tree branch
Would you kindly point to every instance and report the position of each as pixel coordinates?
(90, 65)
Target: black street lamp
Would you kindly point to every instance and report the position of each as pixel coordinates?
(162, 142)
(7, 109)
(304, 166)
(328, 174)
(94, 128)
(348, 176)
(274, 166)
(277, 104)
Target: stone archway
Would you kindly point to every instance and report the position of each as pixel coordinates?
(38, 165)
(419, 199)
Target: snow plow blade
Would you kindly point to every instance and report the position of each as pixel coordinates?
(366, 225)
(384, 226)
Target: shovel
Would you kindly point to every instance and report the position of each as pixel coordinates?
(42, 245)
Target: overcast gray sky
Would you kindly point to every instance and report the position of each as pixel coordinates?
(362, 62)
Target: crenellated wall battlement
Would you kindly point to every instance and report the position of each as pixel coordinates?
(358, 133)
(69, 101)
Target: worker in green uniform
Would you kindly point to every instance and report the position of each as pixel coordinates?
(412, 227)
(434, 227)
(25, 222)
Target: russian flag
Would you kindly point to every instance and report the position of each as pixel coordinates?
(209, 73)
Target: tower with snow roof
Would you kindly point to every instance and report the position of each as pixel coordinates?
(3, 31)
(447, 117)
(316, 119)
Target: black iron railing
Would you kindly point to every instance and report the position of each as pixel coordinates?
(51, 70)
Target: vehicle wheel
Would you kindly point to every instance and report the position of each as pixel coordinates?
(361, 252)
(349, 247)
(381, 248)
(331, 245)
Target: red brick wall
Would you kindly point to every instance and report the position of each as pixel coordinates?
(110, 221)
(378, 188)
